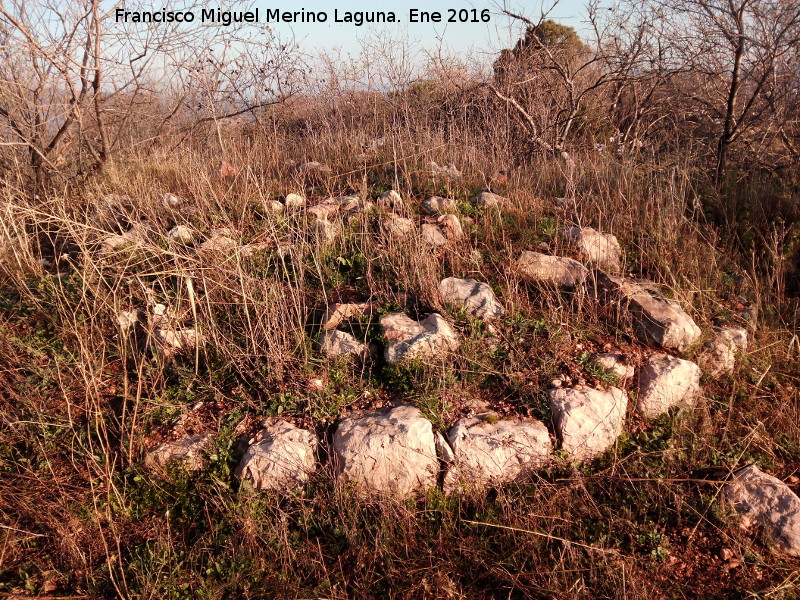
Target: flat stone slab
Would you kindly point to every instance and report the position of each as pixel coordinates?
(386, 453)
(280, 456)
(477, 298)
(490, 452)
(664, 382)
(766, 500)
(406, 338)
(338, 312)
(657, 321)
(587, 421)
(551, 270)
(599, 249)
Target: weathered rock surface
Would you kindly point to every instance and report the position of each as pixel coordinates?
(221, 240)
(188, 451)
(600, 249)
(275, 207)
(664, 382)
(127, 319)
(432, 235)
(436, 205)
(451, 227)
(340, 343)
(386, 453)
(279, 457)
(137, 234)
(449, 171)
(397, 227)
(294, 201)
(487, 453)
(587, 421)
(432, 337)
(551, 270)
(338, 312)
(770, 503)
(391, 200)
(181, 234)
(477, 298)
(176, 341)
(718, 355)
(313, 167)
(488, 200)
(615, 362)
(656, 320)
(326, 231)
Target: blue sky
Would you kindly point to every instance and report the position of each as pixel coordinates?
(460, 37)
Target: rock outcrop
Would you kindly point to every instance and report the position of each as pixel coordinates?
(766, 500)
(476, 298)
(406, 339)
(587, 421)
(280, 456)
(386, 453)
(551, 270)
(664, 382)
(656, 320)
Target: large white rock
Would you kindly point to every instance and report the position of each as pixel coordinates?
(477, 298)
(600, 249)
(451, 227)
(187, 451)
(551, 270)
(294, 201)
(386, 453)
(664, 382)
(488, 453)
(176, 341)
(656, 320)
(587, 421)
(181, 234)
(340, 343)
(769, 502)
(436, 205)
(406, 339)
(280, 456)
(718, 355)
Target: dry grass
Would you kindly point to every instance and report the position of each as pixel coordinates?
(81, 403)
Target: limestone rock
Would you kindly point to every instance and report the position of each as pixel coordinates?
(432, 337)
(664, 382)
(136, 235)
(339, 311)
(614, 362)
(173, 202)
(313, 168)
(280, 456)
(294, 201)
(176, 341)
(551, 270)
(326, 231)
(340, 343)
(436, 205)
(451, 227)
(600, 249)
(488, 200)
(477, 298)
(448, 171)
(769, 502)
(656, 320)
(386, 453)
(432, 235)
(275, 207)
(397, 227)
(181, 234)
(324, 210)
(489, 453)
(128, 319)
(587, 421)
(391, 200)
(221, 240)
(718, 355)
(187, 451)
